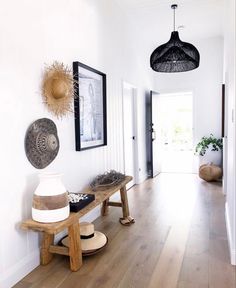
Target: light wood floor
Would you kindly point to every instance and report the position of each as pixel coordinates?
(178, 241)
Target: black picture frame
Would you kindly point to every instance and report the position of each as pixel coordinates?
(223, 112)
(89, 107)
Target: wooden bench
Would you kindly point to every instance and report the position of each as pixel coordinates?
(49, 230)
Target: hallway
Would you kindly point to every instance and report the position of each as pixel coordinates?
(178, 240)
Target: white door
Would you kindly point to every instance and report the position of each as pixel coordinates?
(129, 131)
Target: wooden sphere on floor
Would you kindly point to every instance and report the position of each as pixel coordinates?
(210, 172)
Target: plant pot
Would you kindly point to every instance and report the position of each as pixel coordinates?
(50, 201)
(214, 157)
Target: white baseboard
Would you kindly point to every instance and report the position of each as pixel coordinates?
(15, 273)
(233, 257)
(229, 234)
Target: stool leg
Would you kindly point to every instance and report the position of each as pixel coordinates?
(124, 201)
(75, 251)
(45, 255)
(105, 208)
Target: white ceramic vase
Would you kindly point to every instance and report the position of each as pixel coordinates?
(50, 201)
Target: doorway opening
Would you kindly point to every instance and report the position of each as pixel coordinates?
(130, 132)
(175, 118)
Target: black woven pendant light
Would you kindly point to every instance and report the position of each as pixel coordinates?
(175, 55)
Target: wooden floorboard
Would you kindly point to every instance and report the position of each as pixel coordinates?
(178, 241)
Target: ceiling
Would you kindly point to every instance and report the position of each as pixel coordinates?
(154, 18)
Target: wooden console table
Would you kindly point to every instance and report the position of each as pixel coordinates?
(49, 230)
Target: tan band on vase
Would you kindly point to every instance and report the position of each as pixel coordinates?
(50, 202)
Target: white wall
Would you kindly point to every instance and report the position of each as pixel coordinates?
(230, 155)
(34, 33)
(205, 83)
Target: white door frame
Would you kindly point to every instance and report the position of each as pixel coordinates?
(135, 142)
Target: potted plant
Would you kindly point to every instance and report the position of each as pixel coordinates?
(209, 150)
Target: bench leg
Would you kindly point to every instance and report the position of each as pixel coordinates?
(124, 201)
(75, 251)
(45, 255)
(127, 219)
(105, 208)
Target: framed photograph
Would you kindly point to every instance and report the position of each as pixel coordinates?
(90, 107)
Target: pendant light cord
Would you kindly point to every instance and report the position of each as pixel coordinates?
(174, 19)
(174, 7)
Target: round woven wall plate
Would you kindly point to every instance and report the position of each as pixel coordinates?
(41, 143)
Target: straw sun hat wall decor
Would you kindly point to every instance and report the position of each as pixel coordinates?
(57, 89)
